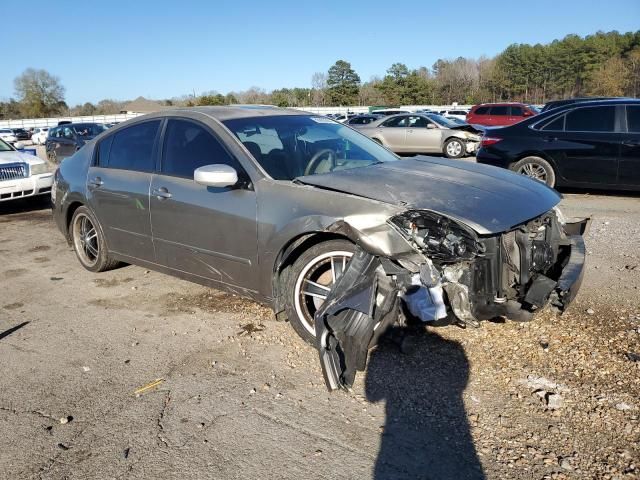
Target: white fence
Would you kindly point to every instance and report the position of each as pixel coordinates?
(121, 117)
(52, 122)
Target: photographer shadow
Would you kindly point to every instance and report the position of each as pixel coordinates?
(426, 433)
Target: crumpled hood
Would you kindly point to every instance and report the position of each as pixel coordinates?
(17, 157)
(488, 199)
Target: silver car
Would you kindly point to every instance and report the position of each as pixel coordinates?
(424, 133)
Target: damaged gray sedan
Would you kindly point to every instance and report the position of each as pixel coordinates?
(318, 221)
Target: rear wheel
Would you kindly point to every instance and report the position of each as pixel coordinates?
(454, 148)
(536, 168)
(89, 243)
(310, 280)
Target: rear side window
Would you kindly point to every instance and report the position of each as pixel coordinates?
(555, 125)
(481, 111)
(517, 112)
(633, 119)
(592, 119)
(102, 152)
(132, 148)
(500, 110)
(189, 145)
(396, 122)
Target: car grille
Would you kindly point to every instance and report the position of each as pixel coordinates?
(13, 171)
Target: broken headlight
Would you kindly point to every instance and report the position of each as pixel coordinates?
(440, 238)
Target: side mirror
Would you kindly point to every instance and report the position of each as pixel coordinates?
(18, 145)
(217, 175)
(431, 126)
(527, 113)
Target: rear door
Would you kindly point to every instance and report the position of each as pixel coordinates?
(423, 136)
(516, 114)
(587, 150)
(629, 166)
(118, 188)
(203, 231)
(394, 132)
(498, 115)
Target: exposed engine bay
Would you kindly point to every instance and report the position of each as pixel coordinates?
(459, 277)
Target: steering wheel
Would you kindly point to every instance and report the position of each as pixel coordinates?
(315, 161)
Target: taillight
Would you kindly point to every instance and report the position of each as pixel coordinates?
(486, 141)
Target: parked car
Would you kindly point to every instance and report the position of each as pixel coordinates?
(592, 144)
(423, 133)
(7, 135)
(455, 113)
(22, 175)
(39, 136)
(310, 217)
(569, 101)
(21, 134)
(64, 140)
(360, 120)
(499, 114)
(388, 111)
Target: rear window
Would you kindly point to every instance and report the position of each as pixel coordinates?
(481, 111)
(591, 119)
(633, 119)
(500, 110)
(132, 148)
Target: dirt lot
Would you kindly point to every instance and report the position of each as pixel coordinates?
(238, 395)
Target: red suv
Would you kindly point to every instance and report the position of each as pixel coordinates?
(499, 114)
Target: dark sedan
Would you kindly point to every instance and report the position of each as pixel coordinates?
(21, 134)
(323, 224)
(594, 144)
(67, 138)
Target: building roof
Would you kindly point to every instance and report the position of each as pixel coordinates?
(143, 105)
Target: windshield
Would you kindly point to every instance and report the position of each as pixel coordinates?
(290, 146)
(88, 129)
(440, 120)
(4, 147)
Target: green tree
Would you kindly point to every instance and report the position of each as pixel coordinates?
(342, 84)
(39, 93)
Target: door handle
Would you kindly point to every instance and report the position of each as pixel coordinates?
(96, 182)
(161, 193)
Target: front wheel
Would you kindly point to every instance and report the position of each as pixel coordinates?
(454, 148)
(310, 280)
(536, 168)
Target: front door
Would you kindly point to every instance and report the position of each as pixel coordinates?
(118, 185)
(588, 146)
(394, 132)
(423, 136)
(203, 231)
(629, 168)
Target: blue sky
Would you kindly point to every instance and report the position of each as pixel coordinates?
(160, 49)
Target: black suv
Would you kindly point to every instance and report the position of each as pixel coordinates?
(21, 134)
(64, 140)
(593, 144)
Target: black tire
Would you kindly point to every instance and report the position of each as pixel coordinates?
(299, 307)
(454, 148)
(536, 168)
(92, 251)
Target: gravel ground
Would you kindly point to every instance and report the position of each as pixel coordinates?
(133, 374)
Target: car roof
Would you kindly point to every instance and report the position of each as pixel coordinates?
(237, 111)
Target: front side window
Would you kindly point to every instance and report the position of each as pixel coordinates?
(633, 118)
(88, 129)
(517, 112)
(556, 125)
(591, 119)
(306, 145)
(132, 148)
(67, 133)
(4, 147)
(188, 146)
(418, 122)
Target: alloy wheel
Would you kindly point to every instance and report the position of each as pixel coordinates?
(454, 149)
(314, 284)
(85, 240)
(534, 170)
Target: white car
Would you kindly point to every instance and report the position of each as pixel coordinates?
(7, 135)
(455, 113)
(40, 135)
(22, 175)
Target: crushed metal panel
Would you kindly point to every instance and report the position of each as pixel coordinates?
(348, 319)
